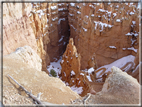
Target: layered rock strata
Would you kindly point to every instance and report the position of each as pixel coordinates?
(110, 30)
(17, 31)
(96, 28)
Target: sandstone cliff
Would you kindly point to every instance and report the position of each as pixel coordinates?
(43, 26)
(17, 31)
(110, 30)
(102, 33)
(50, 25)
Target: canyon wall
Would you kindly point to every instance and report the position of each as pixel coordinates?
(110, 30)
(43, 26)
(50, 24)
(107, 30)
(17, 31)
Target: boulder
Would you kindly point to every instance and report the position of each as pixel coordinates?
(53, 89)
(119, 88)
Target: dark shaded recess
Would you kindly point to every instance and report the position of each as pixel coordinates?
(57, 50)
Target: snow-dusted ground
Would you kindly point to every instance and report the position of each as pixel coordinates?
(118, 63)
(78, 90)
(55, 66)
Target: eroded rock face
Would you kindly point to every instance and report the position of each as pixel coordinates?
(106, 29)
(70, 72)
(17, 31)
(70, 62)
(15, 64)
(43, 26)
(50, 25)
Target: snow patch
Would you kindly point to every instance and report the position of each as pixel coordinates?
(71, 14)
(72, 73)
(78, 90)
(72, 4)
(53, 7)
(81, 74)
(53, 19)
(133, 49)
(85, 30)
(133, 22)
(90, 70)
(61, 19)
(101, 10)
(61, 9)
(128, 34)
(89, 78)
(55, 66)
(118, 20)
(114, 14)
(131, 13)
(73, 27)
(61, 39)
(102, 24)
(92, 15)
(113, 47)
(78, 12)
(118, 63)
(62, 61)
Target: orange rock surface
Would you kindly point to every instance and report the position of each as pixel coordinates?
(106, 29)
(50, 25)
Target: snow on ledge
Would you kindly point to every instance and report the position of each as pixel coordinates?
(72, 4)
(85, 30)
(53, 7)
(118, 20)
(113, 47)
(118, 63)
(61, 19)
(132, 48)
(72, 73)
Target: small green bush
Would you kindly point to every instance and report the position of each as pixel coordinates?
(53, 73)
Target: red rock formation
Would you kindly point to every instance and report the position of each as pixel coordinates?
(40, 27)
(70, 62)
(70, 72)
(50, 24)
(105, 29)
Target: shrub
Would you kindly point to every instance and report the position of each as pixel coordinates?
(53, 73)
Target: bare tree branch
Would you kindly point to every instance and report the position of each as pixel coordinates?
(27, 92)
